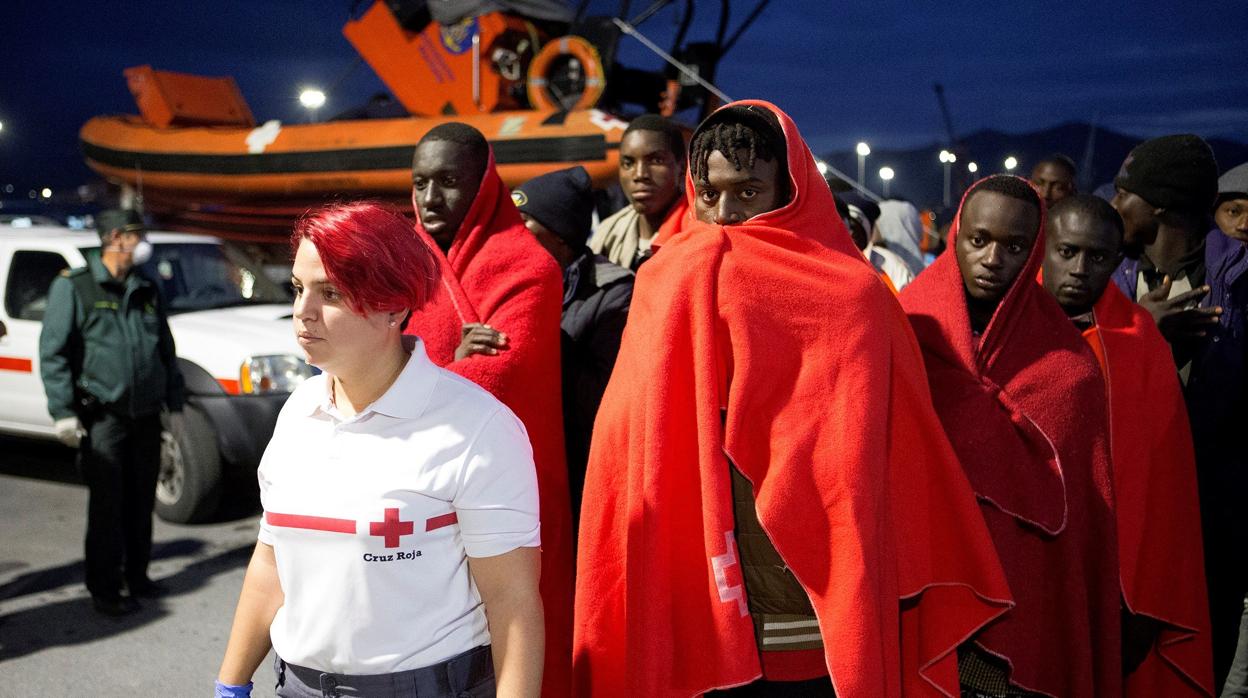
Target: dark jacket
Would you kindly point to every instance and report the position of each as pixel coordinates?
(1127, 275)
(1217, 390)
(1217, 403)
(107, 341)
(596, 296)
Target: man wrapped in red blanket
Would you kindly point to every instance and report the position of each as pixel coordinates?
(1166, 633)
(1021, 397)
(768, 420)
(495, 321)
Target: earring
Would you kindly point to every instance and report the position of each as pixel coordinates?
(393, 323)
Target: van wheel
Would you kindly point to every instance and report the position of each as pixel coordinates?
(188, 489)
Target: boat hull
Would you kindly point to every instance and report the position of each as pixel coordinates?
(259, 179)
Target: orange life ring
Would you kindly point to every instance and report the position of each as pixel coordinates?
(591, 62)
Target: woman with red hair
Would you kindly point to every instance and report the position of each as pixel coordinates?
(398, 551)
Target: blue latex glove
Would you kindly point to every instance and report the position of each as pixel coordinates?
(227, 691)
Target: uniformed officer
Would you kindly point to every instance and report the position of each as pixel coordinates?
(108, 365)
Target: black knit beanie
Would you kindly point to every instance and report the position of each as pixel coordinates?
(1172, 172)
(562, 201)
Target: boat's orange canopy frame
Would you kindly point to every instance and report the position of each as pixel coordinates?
(478, 65)
(169, 99)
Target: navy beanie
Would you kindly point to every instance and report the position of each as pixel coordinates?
(562, 201)
(1173, 172)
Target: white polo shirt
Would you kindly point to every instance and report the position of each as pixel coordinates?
(372, 518)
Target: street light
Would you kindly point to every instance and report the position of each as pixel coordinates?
(947, 159)
(312, 99)
(1, 126)
(863, 151)
(1010, 163)
(886, 175)
(823, 167)
(972, 167)
(46, 193)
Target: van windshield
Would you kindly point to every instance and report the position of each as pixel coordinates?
(199, 276)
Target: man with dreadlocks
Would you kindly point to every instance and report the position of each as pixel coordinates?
(771, 506)
(738, 168)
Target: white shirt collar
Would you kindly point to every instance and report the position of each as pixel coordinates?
(406, 398)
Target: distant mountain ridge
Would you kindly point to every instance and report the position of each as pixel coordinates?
(920, 177)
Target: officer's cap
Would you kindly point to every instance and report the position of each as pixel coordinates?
(124, 219)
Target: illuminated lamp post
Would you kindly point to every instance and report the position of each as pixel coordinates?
(886, 176)
(863, 151)
(947, 159)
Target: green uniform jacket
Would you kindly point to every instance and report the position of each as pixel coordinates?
(109, 340)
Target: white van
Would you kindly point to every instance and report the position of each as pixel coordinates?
(236, 349)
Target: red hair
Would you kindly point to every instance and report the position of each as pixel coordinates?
(372, 254)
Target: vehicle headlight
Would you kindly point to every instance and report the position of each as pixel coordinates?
(280, 373)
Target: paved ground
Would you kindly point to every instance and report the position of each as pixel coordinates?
(51, 641)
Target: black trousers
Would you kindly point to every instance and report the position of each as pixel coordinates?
(467, 675)
(120, 460)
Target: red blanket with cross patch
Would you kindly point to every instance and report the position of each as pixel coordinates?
(775, 344)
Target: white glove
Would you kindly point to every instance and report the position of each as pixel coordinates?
(69, 431)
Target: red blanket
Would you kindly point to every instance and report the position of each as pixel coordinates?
(496, 273)
(1025, 409)
(774, 344)
(677, 218)
(1159, 545)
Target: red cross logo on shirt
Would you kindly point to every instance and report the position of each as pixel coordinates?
(391, 529)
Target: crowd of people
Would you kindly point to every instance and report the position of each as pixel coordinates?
(800, 453)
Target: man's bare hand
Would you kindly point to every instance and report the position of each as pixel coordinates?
(1180, 318)
(480, 339)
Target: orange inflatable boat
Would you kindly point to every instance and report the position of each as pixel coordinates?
(535, 86)
(218, 169)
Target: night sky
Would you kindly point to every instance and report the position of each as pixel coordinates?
(846, 71)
